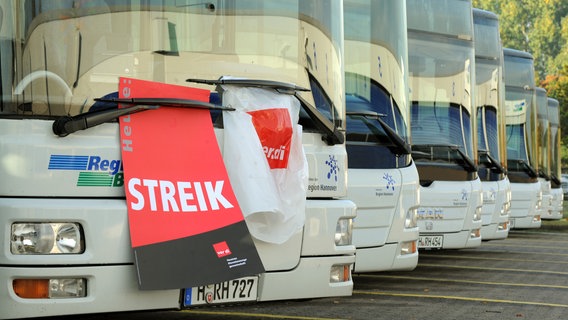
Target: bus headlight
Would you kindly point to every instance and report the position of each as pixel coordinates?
(46, 238)
(411, 220)
(477, 214)
(344, 232)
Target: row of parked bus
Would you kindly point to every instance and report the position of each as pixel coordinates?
(420, 131)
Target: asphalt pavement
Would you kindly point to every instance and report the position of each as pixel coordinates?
(522, 277)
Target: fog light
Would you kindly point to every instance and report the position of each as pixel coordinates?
(536, 218)
(344, 232)
(503, 226)
(46, 238)
(475, 234)
(340, 273)
(50, 288)
(411, 219)
(408, 247)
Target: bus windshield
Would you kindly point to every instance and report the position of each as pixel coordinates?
(553, 113)
(376, 56)
(519, 102)
(488, 138)
(490, 93)
(487, 40)
(448, 17)
(67, 53)
(543, 132)
(521, 111)
(441, 92)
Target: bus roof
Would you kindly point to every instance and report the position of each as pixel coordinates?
(517, 53)
(484, 14)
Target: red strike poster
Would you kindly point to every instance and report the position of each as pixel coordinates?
(186, 226)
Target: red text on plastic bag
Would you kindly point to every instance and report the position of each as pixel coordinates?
(274, 130)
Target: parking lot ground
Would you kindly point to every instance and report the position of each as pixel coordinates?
(522, 277)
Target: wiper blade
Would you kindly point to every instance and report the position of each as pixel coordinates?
(493, 161)
(167, 102)
(332, 135)
(530, 170)
(278, 85)
(542, 174)
(555, 179)
(471, 167)
(403, 147)
(66, 125)
(468, 164)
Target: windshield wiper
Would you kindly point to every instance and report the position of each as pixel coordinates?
(471, 167)
(530, 170)
(555, 179)
(402, 147)
(277, 85)
(492, 161)
(332, 135)
(467, 164)
(65, 125)
(542, 174)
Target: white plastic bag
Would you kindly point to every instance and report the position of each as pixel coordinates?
(272, 200)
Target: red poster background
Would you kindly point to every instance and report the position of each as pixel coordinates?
(160, 151)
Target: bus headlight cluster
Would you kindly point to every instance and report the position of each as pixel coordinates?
(411, 220)
(538, 200)
(340, 273)
(344, 232)
(477, 214)
(46, 238)
(505, 208)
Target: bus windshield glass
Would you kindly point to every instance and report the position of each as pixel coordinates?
(489, 89)
(376, 56)
(441, 92)
(543, 132)
(554, 116)
(67, 53)
(487, 119)
(520, 99)
(487, 41)
(448, 17)
(517, 138)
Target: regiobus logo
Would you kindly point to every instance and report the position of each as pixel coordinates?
(94, 171)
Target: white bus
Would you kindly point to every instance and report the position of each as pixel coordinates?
(543, 151)
(442, 89)
(66, 246)
(521, 122)
(556, 190)
(383, 180)
(491, 143)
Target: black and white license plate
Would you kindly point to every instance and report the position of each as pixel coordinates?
(236, 290)
(429, 242)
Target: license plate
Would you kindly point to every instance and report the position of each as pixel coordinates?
(427, 242)
(236, 290)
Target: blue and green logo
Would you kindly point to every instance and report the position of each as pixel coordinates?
(94, 171)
